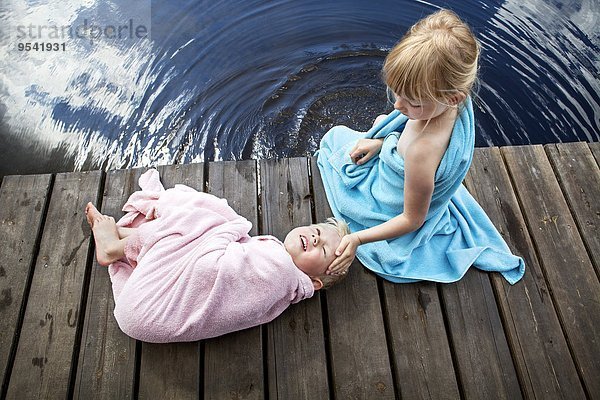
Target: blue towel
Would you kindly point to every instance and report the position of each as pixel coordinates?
(456, 234)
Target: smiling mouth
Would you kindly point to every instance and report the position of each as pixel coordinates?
(303, 241)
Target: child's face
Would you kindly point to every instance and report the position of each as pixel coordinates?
(418, 110)
(312, 248)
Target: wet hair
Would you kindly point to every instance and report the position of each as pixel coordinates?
(342, 229)
(437, 57)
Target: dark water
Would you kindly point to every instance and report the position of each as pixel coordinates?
(223, 80)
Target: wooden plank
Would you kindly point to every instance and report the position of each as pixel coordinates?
(106, 368)
(22, 209)
(172, 370)
(579, 177)
(233, 363)
(169, 371)
(595, 149)
(567, 267)
(417, 335)
(539, 349)
(360, 367)
(237, 182)
(49, 335)
(296, 349)
(478, 338)
(477, 333)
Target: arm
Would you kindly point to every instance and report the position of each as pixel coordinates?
(420, 165)
(419, 174)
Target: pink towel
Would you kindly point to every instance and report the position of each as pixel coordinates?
(194, 272)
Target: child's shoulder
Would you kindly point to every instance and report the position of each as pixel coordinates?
(429, 147)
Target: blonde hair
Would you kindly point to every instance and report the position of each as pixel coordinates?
(436, 57)
(342, 229)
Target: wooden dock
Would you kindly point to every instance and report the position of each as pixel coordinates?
(366, 338)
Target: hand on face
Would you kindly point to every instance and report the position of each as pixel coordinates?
(346, 252)
(312, 248)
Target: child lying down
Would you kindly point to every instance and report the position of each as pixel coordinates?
(184, 268)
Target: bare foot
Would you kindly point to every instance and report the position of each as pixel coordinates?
(106, 235)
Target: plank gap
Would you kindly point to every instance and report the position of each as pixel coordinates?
(201, 359)
(264, 330)
(259, 195)
(265, 342)
(459, 378)
(28, 283)
(323, 294)
(510, 340)
(106, 366)
(536, 250)
(84, 295)
(388, 336)
(56, 291)
(138, 365)
(311, 184)
(544, 267)
(513, 348)
(572, 207)
(327, 339)
(359, 370)
(205, 178)
(595, 149)
(536, 267)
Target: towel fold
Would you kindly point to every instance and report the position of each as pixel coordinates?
(194, 272)
(456, 234)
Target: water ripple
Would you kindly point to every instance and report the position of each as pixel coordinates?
(255, 79)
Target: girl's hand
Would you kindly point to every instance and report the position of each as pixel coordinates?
(365, 149)
(345, 255)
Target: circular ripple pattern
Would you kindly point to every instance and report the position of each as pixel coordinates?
(257, 79)
(332, 91)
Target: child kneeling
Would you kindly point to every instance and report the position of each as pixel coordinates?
(183, 266)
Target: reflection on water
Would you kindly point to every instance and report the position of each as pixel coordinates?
(255, 79)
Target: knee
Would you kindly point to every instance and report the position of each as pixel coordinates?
(128, 322)
(379, 119)
(141, 325)
(134, 323)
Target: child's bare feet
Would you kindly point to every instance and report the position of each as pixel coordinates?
(106, 235)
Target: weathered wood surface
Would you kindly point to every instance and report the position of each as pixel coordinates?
(297, 363)
(540, 352)
(567, 267)
(418, 342)
(233, 363)
(579, 178)
(169, 371)
(360, 361)
(364, 338)
(478, 339)
(595, 148)
(106, 368)
(22, 210)
(49, 336)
